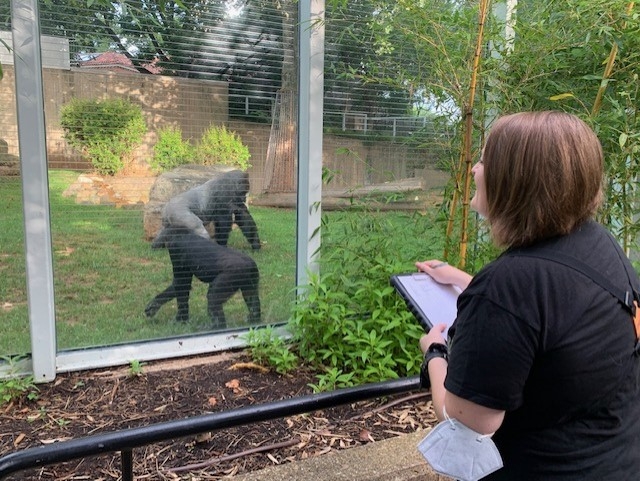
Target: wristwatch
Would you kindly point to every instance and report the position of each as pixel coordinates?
(436, 349)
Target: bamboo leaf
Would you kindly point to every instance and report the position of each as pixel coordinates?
(622, 140)
(555, 98)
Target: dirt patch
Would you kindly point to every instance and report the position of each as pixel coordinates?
(95, 402)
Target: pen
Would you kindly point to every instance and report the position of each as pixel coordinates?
(442, 264)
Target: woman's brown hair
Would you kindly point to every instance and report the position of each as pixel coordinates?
(543, 173)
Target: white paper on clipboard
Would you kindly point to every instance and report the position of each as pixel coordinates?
(431, 302)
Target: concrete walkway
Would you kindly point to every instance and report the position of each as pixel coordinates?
(394, 459)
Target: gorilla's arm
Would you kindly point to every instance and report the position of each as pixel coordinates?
(247, 225)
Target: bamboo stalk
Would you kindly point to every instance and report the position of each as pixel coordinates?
(603, 84)
(454, 204)
(597, 104)
(608, 69)
(468, 137)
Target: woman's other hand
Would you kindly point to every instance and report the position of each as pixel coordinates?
(435, 335)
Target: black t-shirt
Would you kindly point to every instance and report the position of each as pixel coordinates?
(554, 350)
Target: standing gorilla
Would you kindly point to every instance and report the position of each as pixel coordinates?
(222, 201)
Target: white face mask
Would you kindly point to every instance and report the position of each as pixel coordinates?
(454, 450)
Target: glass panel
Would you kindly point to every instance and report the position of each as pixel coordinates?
(386, 163)
(387, 151)
(142, 108)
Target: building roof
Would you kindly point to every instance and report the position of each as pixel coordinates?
(114, 61)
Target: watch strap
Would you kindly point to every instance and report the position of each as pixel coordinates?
(436, 349)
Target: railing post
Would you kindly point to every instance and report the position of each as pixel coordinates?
(127, 464)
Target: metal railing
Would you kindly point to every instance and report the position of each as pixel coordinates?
(125, 441)
(360, 122)
(399, 126)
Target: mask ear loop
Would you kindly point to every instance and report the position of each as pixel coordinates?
(446, 416)
(479, 438)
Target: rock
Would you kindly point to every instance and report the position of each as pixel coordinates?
(9, 164)
(120, 191)
(172, 183)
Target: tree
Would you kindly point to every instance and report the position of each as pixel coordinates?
(237, 42)
(354, 77)
(579, 56)
(281, 163)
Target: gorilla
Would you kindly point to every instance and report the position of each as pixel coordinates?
(226, 270)
(222, 201)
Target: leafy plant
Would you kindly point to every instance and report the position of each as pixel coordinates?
(136, 368)
(221, 146)
(334, 378)
(350, 324)
(584, 55)
(171, 150)
(266, 347)
(106, 131)
(39, 415)
(16, 387)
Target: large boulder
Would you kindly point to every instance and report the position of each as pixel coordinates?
(172, 183)
(9, 164)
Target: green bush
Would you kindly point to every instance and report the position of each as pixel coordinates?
(105, 131)
(357, 333)
(220, 146)
(350, 324)
(171, 150)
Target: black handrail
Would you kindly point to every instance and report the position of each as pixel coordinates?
(128, 439)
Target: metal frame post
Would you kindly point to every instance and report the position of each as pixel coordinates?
(35, 187)
(310, 109)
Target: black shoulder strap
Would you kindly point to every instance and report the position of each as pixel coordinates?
(626, 297)
(630, 299)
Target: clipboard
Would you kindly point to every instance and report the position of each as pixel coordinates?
(429, 301)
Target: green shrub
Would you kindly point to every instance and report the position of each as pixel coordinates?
(266, 347)
(350, 324)
(16, 387)
(105, 131)
(171, 150)
(356, 333)
(220, 146)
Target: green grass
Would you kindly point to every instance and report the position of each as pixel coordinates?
(13, 295)
(105, 271)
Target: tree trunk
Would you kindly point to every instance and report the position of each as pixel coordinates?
(281, 163)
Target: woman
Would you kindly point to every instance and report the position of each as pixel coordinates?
(541, 354)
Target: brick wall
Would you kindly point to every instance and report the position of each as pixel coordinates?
(193, 105)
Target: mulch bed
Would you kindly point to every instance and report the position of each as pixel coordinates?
(95, 402)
